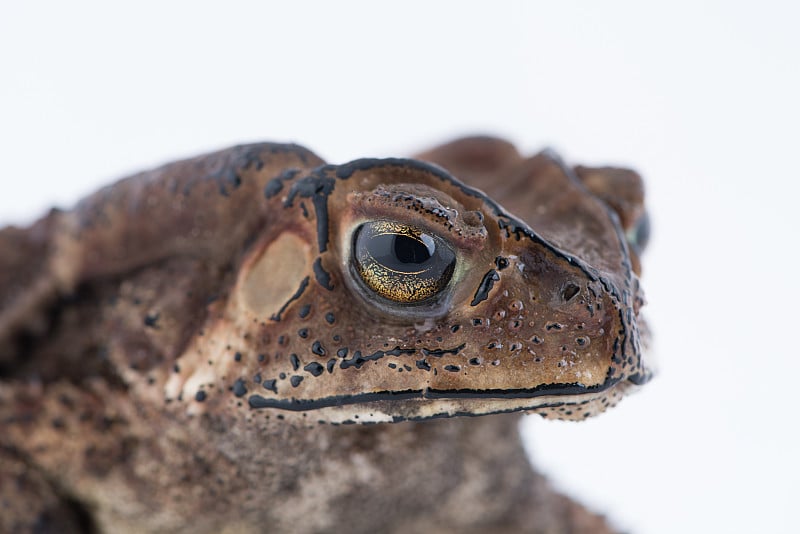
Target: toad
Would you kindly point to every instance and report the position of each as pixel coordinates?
(257, 341)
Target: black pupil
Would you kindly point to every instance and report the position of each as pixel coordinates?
(402, 253)
(409, 250)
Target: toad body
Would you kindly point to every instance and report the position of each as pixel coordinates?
(192, 348)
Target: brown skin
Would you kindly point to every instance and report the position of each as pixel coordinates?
(180, 350)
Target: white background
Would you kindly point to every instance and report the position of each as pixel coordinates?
(702, 98)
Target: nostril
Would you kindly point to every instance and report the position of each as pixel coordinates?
(569, 291)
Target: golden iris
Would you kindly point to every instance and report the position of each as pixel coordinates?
(401, 262)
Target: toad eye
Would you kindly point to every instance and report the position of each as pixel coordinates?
(402, 263)
(639, 235)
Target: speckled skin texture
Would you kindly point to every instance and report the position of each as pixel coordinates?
(187, 349)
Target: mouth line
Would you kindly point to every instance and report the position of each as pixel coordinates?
(256, 401)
